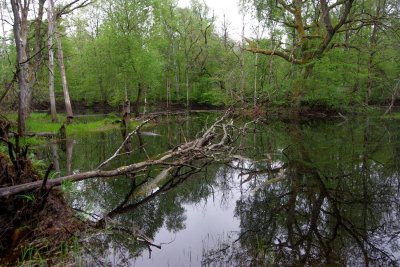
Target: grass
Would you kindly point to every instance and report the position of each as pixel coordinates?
(395, 115)
(41, 122)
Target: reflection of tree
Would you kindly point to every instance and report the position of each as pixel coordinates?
(146, 214)
(336, 206)
(131, 206)
(70, 146)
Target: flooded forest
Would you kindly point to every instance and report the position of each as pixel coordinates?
(199, 133)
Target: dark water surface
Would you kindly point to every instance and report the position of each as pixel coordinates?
(301, 194)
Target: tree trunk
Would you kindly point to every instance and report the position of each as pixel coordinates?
(138, 99)
(243, 78)
(20, 35)
(104, 100)
(176, 70)
(187, 88)
(50, 19)
(255, 79)
(3, 41)
(373, 43)
(70, 147)
(55, 160)
(126, 110)
(168, 90)
(34, 63)
(68, 107)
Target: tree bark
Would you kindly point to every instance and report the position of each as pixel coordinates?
(36, 59)
(50, 19)
(373, 43)
(70, 146)
(138, 99)
(255, 79)
(187, 88)
(242, 68)
(20, 29)
(68, 107)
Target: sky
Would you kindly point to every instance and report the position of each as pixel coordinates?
(220, 7)
(231, 9)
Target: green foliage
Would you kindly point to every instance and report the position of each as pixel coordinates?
(31, 256)
(392, 116)
(30, 197)
(66, 186)
(41, 122)
(144, 49)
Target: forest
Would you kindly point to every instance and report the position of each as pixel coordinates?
(327, 55)
(120, 118)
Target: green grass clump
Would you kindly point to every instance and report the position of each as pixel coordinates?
(392, 116)
(41, 122)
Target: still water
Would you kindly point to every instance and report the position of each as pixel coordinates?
(300, 194)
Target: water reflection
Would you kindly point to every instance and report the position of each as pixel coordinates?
(337, 204)
(309, 194)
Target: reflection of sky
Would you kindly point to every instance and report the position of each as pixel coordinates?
(207, 223)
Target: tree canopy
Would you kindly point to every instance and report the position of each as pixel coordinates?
(323, 54)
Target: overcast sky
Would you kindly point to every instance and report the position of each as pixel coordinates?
(231, 10)
(220, 7)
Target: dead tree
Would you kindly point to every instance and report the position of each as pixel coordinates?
(182, 155)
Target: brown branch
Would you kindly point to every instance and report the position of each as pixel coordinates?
(65, 9)
(286, 6)
(326, 16)
(8, 87)
(286, 56)
(342, 20)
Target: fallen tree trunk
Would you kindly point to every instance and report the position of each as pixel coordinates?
(199, 148)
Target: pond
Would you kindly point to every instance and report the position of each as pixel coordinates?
(310, 193)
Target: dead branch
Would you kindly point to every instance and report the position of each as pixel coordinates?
(197, 149)
(117, 152)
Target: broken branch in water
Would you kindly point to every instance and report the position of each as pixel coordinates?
(182, 155)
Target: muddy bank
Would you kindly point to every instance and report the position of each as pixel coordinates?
(33, 224)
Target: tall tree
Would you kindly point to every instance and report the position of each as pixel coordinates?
(67, 100)
(50, 21)
(20, 29)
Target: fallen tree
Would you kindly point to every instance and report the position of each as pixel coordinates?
(200, 148)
